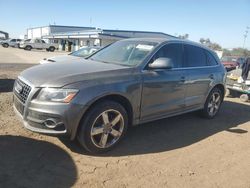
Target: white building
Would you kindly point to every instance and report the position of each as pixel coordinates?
(40, 32)
(72, 38)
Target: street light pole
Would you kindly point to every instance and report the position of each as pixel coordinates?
(245, 36)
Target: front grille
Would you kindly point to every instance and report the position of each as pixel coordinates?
(21, 90)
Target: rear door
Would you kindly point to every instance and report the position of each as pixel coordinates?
(200, 76)
(164, 89)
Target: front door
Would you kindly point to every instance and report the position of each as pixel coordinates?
(164, 90)
(38, 43)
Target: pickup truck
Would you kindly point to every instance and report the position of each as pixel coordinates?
(38, 44)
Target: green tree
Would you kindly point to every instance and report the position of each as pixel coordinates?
(207, 42)
(236, 52)
(185, 36)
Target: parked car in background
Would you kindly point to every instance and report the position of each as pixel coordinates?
(11, 42)
(38, 44)
(81, 53)
(22, 41)
(130, 82)
(235, 86)
(232, 62)
(2, 40)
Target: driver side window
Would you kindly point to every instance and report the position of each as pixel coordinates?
(172, 51)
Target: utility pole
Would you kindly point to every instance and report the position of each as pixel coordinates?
(90, 21)
(245, 36)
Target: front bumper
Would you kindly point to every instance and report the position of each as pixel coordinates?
(22, 46)
(36, 129)
(37, 116)
(34, 118)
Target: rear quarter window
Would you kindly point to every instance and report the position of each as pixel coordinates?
(195, 56)
(211, 59)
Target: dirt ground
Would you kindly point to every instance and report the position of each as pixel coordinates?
(183, 151)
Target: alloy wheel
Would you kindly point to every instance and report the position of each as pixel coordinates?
(214, 103)
(107, 128)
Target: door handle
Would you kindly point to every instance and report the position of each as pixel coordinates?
(211, 76)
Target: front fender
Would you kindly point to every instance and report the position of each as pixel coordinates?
(89, 94)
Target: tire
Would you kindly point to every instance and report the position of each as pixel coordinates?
(96, 132)
(5, 45)
(244, 98)
(47, 49)
(212, 104)
(28, 48)
(52, 49)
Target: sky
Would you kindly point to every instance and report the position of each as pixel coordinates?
(223, 21)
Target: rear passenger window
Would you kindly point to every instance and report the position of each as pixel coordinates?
(173, 51)
(195, 56)
(210, 59)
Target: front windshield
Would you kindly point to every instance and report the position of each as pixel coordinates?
(128, 53)
(84, 52)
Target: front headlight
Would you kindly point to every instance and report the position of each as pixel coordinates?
(56, 95)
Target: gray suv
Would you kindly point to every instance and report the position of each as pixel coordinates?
(130, 82)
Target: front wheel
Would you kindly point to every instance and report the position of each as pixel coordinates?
(103, 127)
(212, 104)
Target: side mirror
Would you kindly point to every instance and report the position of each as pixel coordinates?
(162, 63)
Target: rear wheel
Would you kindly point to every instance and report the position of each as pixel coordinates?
(213, 103)
(52, 49)
(103, 127)
(5, 45)
(28, 48)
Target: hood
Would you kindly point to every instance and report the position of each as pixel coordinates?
(67, 72)
(229, 63)
(62, 58)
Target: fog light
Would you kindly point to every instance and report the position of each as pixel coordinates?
(51, 123)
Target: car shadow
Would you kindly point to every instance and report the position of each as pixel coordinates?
(176, 132)
(6, 85)
(25, 162)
